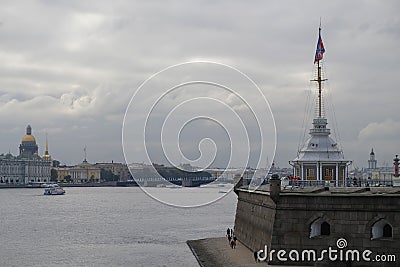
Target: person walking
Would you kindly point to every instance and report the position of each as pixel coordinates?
(255, 256)
(234, 239)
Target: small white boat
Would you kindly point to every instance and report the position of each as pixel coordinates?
(54, 189)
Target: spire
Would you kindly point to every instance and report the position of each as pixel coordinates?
(372, 152)
(84, 152)
(47, 145)
(46, 152)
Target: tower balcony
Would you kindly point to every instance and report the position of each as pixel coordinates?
(320, 121)
(320, 131)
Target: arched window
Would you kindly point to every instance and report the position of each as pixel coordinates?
(320, 227)
(325, 228)
(381, 229)
(387, 231)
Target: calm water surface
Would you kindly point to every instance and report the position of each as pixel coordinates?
(107, 226)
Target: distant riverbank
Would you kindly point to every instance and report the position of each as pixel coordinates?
(7, 186)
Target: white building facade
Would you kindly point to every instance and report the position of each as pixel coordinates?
(28, 167)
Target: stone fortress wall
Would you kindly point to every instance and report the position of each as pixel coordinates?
(315, 218)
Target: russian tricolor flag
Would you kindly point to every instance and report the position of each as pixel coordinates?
(320, 48)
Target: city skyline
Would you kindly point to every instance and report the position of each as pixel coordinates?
(73, 78)
(84, 152)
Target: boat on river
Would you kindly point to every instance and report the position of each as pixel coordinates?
(53, 189)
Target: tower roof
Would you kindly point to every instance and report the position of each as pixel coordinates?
(372, 152)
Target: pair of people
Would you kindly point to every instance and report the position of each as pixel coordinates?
(229, 232)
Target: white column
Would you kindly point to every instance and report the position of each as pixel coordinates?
(320, 172)
(317, 170)
(302, 172)
(337, 174)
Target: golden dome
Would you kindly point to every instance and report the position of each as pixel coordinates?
(28, 138)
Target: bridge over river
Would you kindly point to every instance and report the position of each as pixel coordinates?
(181, 181)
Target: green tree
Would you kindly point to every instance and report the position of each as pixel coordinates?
(53, 175)
(56, 163)
(68, 179)
(107, 175)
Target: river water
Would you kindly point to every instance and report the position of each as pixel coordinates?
(105, 226)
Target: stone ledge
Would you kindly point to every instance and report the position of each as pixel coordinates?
(211, 252)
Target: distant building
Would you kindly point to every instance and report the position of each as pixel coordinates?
(377, 175)
(28, 167)
(119, 169)
(81, 173)
(28, 146)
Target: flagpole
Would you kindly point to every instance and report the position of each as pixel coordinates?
(319, 86)
(319, 79)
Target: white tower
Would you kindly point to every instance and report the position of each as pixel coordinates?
(372, 161)
(320, 158)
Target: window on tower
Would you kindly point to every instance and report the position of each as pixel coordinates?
(310, 172)
(328, 174)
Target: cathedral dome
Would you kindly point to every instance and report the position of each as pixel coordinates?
(28, 138)
(28, 146)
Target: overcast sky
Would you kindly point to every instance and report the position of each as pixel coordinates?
(69, 68)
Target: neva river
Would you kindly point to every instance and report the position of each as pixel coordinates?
(107, 226)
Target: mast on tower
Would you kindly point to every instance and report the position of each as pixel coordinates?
(318, 56)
